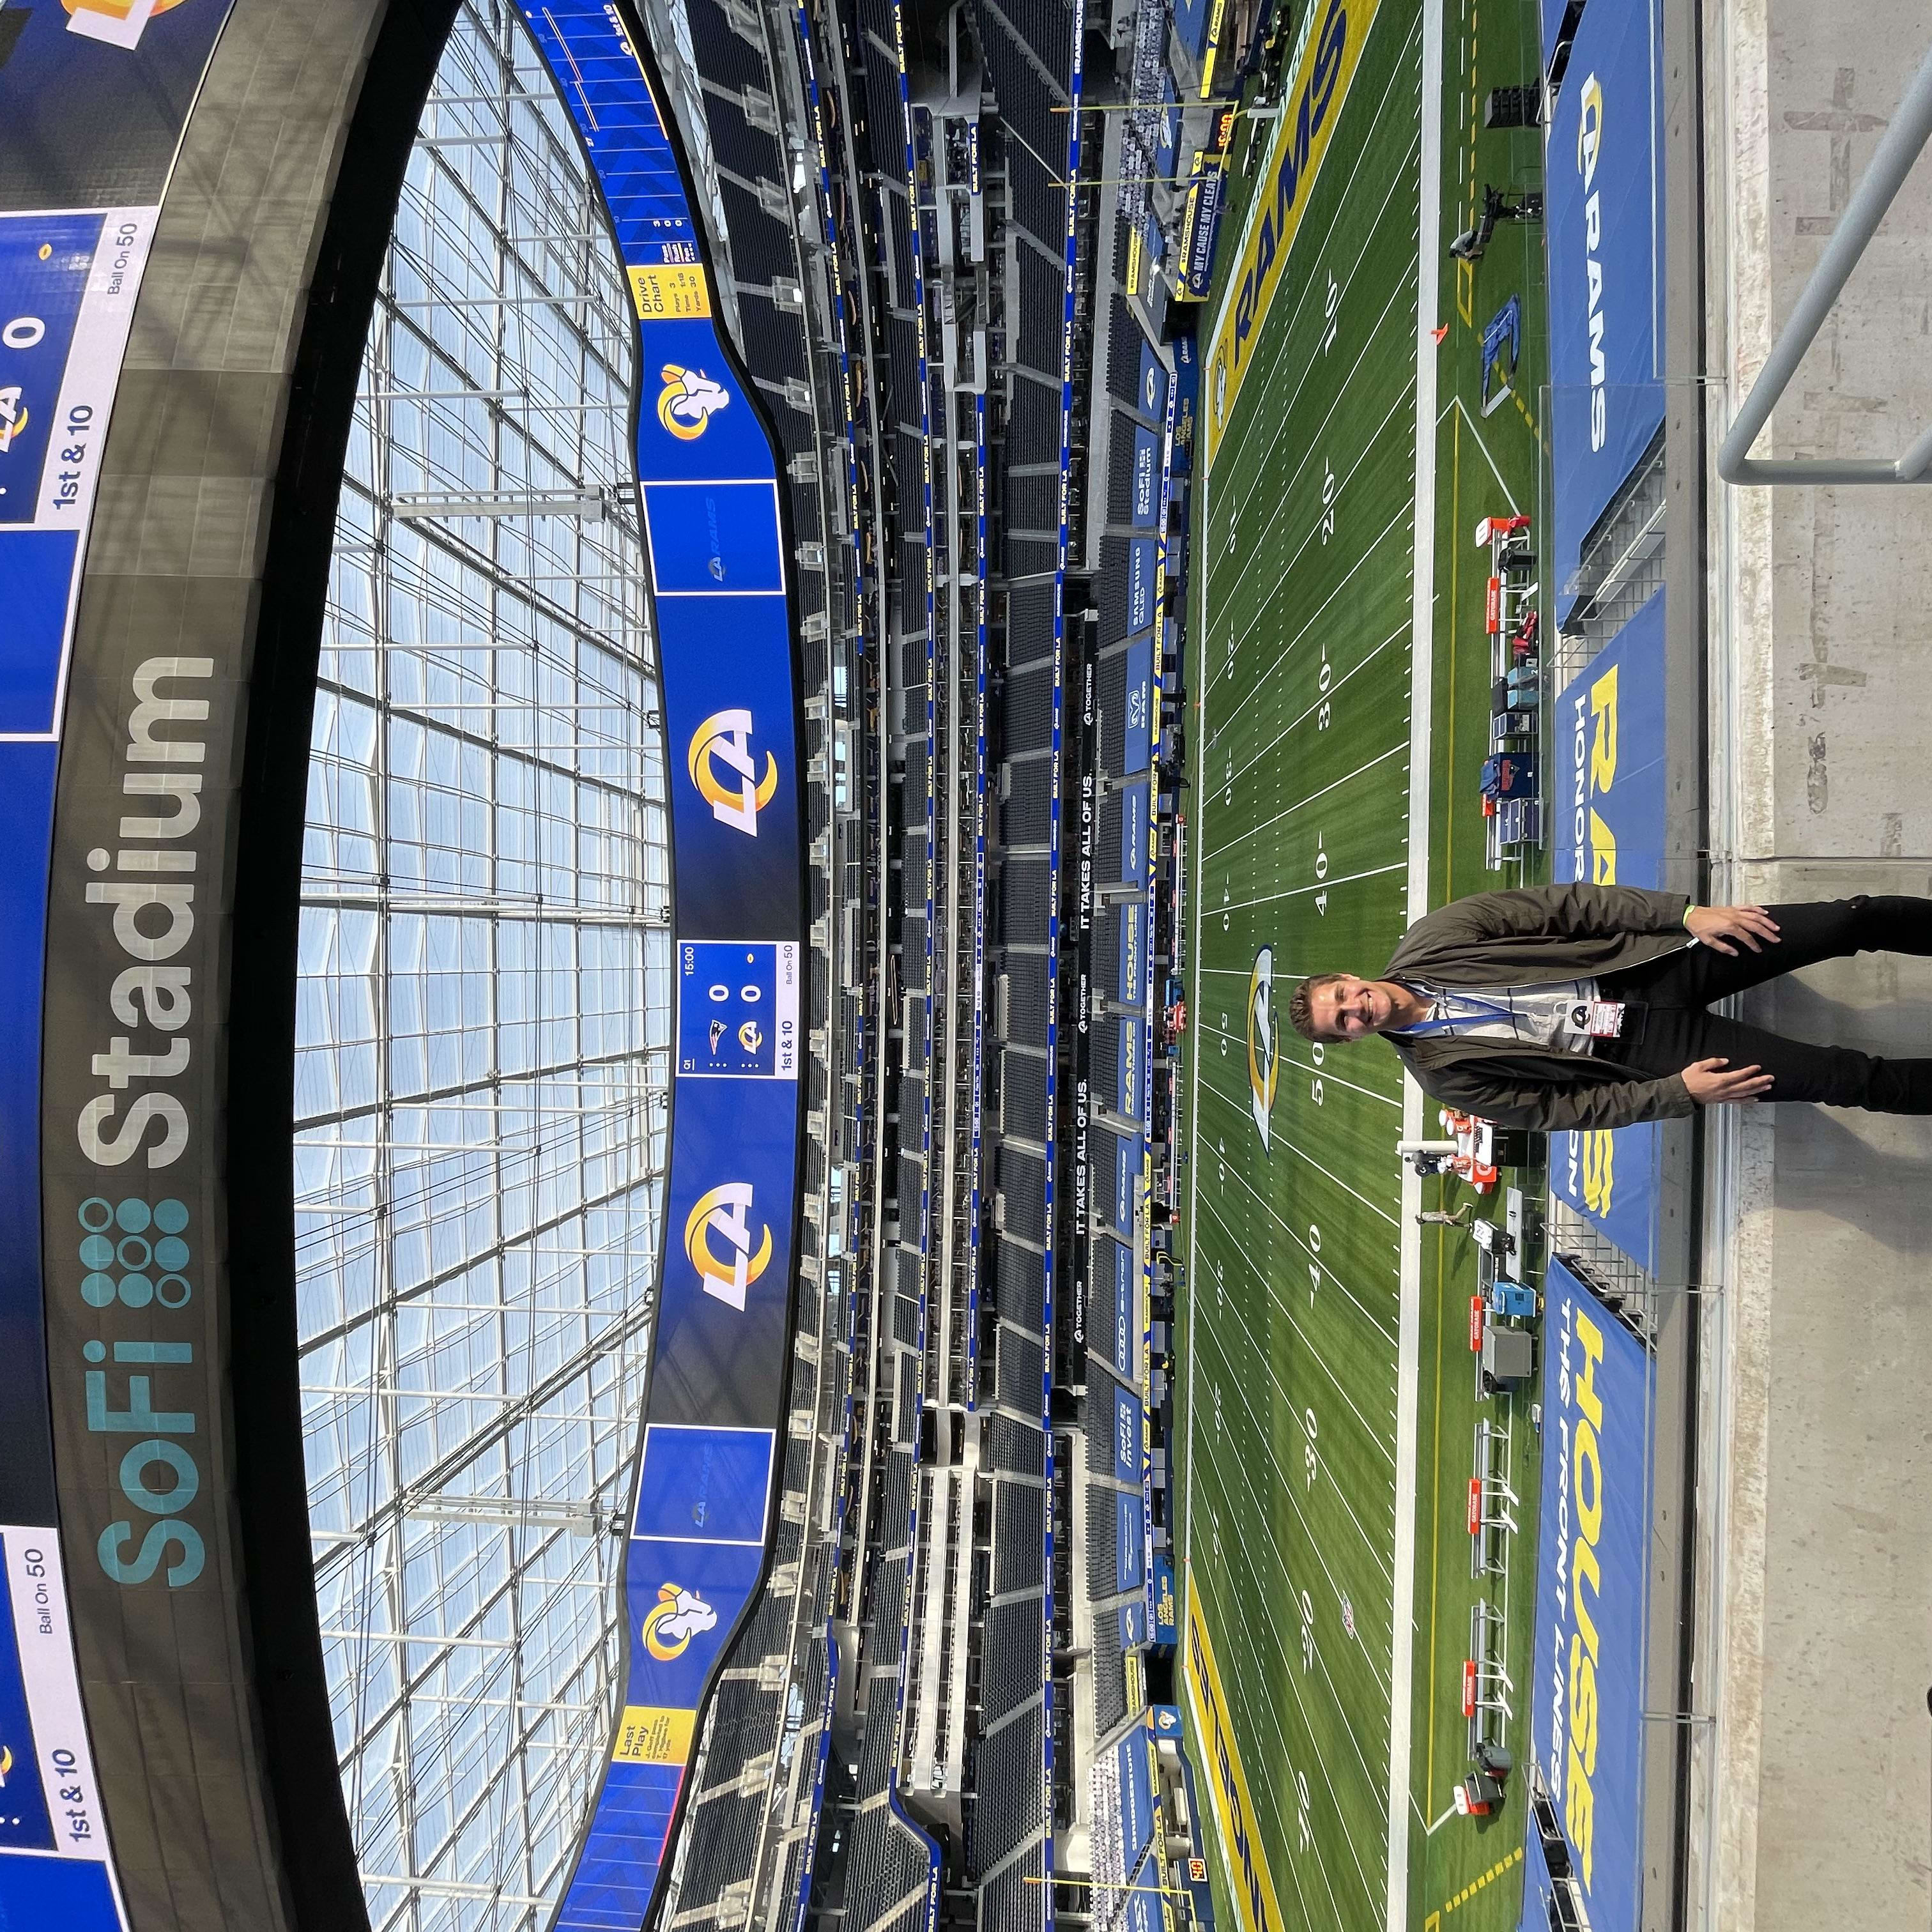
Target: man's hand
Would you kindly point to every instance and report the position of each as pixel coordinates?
(1710, 1088)
(1712, 925)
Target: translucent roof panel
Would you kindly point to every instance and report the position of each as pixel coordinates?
(483, 1017)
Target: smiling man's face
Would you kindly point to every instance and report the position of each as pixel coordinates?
(1346, 1008)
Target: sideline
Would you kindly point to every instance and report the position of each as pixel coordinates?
(1408, 1354)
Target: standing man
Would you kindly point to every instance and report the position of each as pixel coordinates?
(1555, 1007)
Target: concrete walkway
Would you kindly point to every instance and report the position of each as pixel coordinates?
(1812, 1786)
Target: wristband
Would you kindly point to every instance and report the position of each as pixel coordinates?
(1685, 922)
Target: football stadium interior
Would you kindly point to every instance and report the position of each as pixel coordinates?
(684, 684)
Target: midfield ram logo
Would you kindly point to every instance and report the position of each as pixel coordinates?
(724, 739)
(1264, 1047)
(722, 1220)
(1589, 141)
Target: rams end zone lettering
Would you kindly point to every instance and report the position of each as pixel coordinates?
(1227, 1784)
(1328, 63)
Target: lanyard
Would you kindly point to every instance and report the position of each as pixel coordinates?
(1479, 1011)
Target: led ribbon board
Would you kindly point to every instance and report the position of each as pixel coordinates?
(93, 99)
(708, 482)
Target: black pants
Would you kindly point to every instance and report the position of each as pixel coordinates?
(1672, 1029)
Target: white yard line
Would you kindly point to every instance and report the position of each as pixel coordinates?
(1368, 1429)
(1257, 476)
(1369, 447)
(1456, 406)
(1281, 128)
(1330, 1077)
(1408, 1369)
(1284, 1475)
(1274, 1626)
(1329, 885)
(1235, 1691)
(1235, 1100)
(1263, 824)
(1402, 517)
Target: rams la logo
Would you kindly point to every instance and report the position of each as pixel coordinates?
(726, 1214)
(751, 1037)
(724, 739)
(688, 400)
(1589, 128)
(1264, 1051)
(6, 1764)
(13, 416)
(1152, 388)
(679, 1615)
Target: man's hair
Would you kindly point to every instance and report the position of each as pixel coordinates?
(1301, 1010)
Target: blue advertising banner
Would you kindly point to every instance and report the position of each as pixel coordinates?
(1192, 18)
(1186, 399)
(1134, 833)
(1151, 398)
(1133, 1068)
(708, 485)
(1140, 584)
(1124, 1323)
(1126, 1435)
(1608, 802)
(1136, 747)
(1166, 1619)
(1128, 1529)
(1131, 978)
(1147, 478)
(1604, 229)
(1586, 1695)
(1126, 1182)
(1137, 1812)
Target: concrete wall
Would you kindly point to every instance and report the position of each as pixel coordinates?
(1812, 1776)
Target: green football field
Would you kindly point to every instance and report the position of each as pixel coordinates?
(1328, 1400)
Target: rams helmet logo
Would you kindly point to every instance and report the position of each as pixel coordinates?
(1264, 1050)
(726, 1212)
(725, 738)
(679, 1615)
(688, 400)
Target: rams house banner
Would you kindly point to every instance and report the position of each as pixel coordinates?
(1603, 231)
(714, 530)
(1608, 807)
(1586, 1687)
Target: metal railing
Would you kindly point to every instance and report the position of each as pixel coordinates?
(1897, 150)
